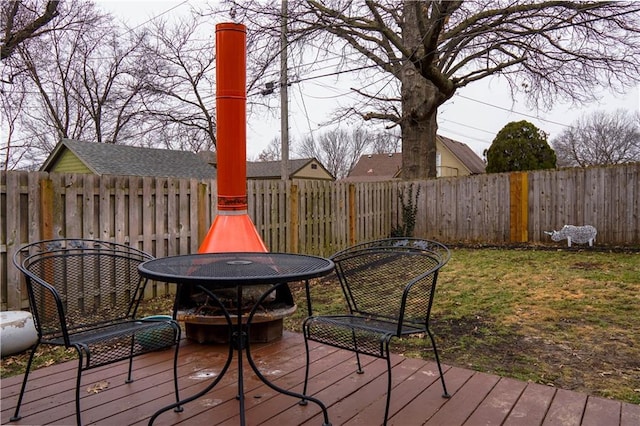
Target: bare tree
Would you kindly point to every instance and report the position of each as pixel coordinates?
(600, 138)
(111, 85)
(272, 152)
(547, 50)
(180, 89)
(180, 83)
(15, 149)
(337, 149)
(81, 80)
(23, 20)
(387, 142)
(148, 87)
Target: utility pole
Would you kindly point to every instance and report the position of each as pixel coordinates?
(284, 96)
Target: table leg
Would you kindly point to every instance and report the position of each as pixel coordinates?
(264, 380)
(241, 341)
(178, 405)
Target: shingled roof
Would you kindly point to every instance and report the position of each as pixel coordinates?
(272, 169)
(372, 167)
(123, 160)
(465, 154)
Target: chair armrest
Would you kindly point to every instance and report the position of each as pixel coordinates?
(47, 306)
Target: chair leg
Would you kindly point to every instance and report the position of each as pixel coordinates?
(78, 383)
(129, 373)
(16, 414)
(388, 358)
(355, 346)
(306, 370)
(445, 394)
(179, 408)
(359, 370)
(129, 378)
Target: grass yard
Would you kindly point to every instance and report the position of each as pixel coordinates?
(566, 318)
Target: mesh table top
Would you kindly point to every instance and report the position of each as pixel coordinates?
(231, 269)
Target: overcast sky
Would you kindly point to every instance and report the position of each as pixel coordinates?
(473, 116)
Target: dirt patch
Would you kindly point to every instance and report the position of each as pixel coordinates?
(586, 266)
(601, 365)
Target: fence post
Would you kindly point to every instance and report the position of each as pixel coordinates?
(518, 207)
(353, 219)
(46, 209)
(203, 222)
(295, 220)
(46, 231)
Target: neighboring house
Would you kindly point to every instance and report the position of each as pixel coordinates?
(376, 167)
(72, 156)
(452, 159)
(456, 159)
(303, 168)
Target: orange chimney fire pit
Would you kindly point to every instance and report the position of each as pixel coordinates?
(232, 229)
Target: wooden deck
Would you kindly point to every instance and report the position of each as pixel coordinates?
(352, 399)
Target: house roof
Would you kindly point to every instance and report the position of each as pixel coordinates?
(111, 159)
(465, 154)
(272, 169)
(371, 167)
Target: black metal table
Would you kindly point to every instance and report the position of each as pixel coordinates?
(218, 271)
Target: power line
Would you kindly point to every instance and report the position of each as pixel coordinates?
(512, 110)
(306, 113)
(483, 141)
(153, 18)
(446, 120)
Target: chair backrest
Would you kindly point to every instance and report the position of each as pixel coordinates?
(80, 283)
(418, 243)
(392, 279)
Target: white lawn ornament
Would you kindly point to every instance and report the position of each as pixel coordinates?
(576, 234)
(17, 332)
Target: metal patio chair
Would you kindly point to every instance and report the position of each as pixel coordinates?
(84, 294)
(389, 287)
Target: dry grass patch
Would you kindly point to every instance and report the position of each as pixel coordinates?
(565, 318)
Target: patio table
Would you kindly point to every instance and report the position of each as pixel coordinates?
(223, 271)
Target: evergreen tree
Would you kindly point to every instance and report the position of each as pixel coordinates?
(520, 146)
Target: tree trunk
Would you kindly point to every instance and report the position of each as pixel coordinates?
(420, 96)
(419, 125)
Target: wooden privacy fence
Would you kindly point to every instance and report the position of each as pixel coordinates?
(166, 216)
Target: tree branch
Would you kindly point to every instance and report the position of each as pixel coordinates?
(13, 39)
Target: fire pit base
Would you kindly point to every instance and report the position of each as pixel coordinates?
(209, 333)
(265, 327)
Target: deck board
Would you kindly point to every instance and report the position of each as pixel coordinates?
(532, 406)
(352, 399)
(468, 398)
(630, 415)
(497, 405)
(566, 409)
(600, 411)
